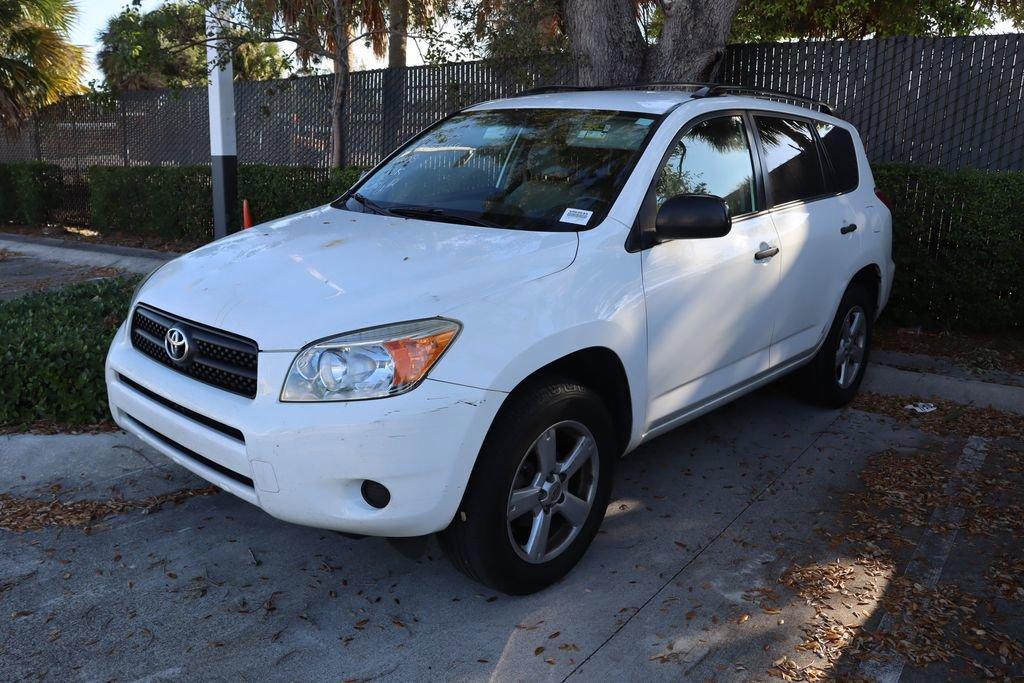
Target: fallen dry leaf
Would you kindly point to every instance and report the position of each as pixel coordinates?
(31, 514)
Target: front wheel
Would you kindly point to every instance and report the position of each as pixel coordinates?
(833, 377)
(539, 490)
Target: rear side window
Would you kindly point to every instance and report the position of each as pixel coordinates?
(791, 154)
(838, 145)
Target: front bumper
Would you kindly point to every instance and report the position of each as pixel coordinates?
(305, 462)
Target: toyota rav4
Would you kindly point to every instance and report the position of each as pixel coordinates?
(468, 339)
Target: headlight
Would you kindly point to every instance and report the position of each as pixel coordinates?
(382, 361)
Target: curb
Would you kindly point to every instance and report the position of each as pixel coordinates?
(882, 379)
(114, 249)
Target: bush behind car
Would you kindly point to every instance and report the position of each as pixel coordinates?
(177, 203)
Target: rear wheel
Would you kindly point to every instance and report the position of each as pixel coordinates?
(833, 377)
(539, 490)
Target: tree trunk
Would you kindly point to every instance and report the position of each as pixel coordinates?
(394, 78)
(605, 41)
(608, 45)
(692, 41)
(339, 90)
(398, 27)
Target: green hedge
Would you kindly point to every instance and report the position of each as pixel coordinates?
(176, 202)
(173, 202)
(52, 347)
(29, 192)
(275, 191)
(957, 242)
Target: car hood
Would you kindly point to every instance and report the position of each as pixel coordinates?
(327, 271)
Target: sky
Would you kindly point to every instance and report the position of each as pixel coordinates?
(93, 16)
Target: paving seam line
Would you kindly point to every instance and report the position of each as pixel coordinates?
(753, 500)
(933, 550)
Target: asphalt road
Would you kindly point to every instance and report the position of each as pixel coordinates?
(214, 588)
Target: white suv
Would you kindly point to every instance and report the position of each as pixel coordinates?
(468, 339)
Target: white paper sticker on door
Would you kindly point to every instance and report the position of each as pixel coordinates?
(576, 216)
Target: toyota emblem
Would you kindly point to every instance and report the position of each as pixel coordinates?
(176, 344)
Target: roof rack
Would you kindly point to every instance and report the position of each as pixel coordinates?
(545, 89)
(700, 90)
(718, 89)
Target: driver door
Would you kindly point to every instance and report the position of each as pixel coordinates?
(710, 302)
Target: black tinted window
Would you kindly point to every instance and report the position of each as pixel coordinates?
(839, 145)
(713, 157)
(794, 171)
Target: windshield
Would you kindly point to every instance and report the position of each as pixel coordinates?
(538, 169)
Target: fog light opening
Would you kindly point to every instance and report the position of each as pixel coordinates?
(375, 494)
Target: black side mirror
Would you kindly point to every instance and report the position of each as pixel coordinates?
(693, 216)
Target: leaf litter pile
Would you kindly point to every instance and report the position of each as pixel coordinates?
(946, 624)
(32, 514)
(975, 352)
(948, 419)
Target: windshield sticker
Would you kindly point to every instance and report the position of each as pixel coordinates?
(576, 216)
(497, 132)
(593, 131)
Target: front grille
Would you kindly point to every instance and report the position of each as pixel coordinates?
(217, 358)
(189, 453)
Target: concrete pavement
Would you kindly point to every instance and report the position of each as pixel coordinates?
(35, 263)
(131, 259)
(681, 582)
(884, 379)
(215, 588)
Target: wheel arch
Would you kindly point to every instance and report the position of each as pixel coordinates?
(601, 369)
(870, 276)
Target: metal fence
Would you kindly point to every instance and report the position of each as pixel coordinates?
(948, 102)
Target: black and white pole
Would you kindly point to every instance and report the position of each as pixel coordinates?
(223, 153)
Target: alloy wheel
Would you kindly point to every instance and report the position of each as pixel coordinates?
(553, 492)
(853, 336)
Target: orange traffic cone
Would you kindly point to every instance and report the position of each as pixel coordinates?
(246, 214)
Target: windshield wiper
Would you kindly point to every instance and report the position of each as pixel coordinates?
(421, 212)
(440, 215)
(370, 204)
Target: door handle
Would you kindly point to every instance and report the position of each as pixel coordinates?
(847, 229)
(766, 253)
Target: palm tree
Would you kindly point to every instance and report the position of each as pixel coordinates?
(38, 65)
(163, 48)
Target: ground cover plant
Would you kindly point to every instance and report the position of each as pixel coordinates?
(52, 348)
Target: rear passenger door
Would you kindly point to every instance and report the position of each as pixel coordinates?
(817, 226)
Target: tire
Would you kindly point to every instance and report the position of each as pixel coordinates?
(829, 380)
(482, 542)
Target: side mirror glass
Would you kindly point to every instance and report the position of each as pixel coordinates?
(693, 216)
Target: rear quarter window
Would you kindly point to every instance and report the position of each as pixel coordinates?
(842, 155)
